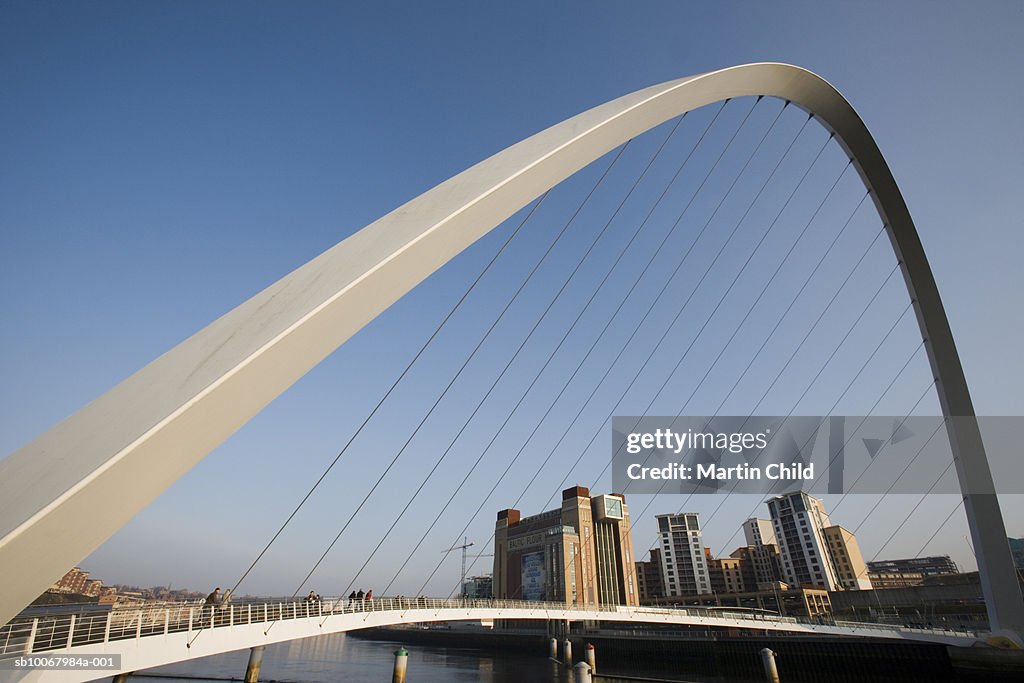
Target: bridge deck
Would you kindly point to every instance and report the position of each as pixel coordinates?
(154, 636)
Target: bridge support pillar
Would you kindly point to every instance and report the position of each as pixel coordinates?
(401, 663)
(771, 673)
(252, 670)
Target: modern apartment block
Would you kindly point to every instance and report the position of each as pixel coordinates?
(759, 532)
(684, 567)
(580, 553)
(847, 562)
(815, 552)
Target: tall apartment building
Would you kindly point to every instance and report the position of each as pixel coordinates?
(684, 567)
(815, 552)
(847, 562)
(759, 532)
(580, 553)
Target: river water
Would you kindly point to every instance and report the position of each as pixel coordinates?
(341, 659)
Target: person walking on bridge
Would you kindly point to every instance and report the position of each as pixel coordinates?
(212, 600)
(359, 598)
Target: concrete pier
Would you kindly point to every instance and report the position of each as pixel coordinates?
(252, 670)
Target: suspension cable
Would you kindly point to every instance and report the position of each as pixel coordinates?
(528, 336)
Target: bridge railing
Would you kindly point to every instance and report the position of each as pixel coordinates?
(56, 632)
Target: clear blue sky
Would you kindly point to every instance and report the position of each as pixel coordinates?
(161, 162)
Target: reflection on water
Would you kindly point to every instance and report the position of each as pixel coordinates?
(351, 660)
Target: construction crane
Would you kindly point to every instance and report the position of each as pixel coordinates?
(466, 543)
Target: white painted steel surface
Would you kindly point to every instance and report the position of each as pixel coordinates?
(155, 636)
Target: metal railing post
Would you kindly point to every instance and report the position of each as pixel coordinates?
(71, 630)
(138, 626)
(167, 620)
(30, 643)
(231, 615)
(191, 614)
(106, 629)
(248, 615)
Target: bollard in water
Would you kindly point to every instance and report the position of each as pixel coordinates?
(401, 662)
(553, 651)
(590, 657)
(567, 652)
(252, 671)
(770, 672)
(582, 671)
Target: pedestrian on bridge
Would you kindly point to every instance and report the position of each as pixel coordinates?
(213, 598)
(359, 598)
(352, 600)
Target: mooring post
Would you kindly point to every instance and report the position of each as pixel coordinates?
(771, 673)
(590, 657)
(582, 671)
(401, 662)
(553, 650)
(252, 670)
(567, 652)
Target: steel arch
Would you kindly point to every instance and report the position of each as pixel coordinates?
(74, 486)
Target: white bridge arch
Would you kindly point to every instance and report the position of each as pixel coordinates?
(67, 491)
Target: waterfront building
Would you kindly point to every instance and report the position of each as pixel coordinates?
(883, 580)
(799, 602)
(75, 582)
(814, 551)
(648, 577)
(580, 553)
(846, 559)
(759, 532)
(760, 565)
(799, 521)
(940, 565)
(726, 575)
(684, 568)
(477, 587)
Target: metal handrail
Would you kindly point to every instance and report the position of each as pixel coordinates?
(56, 632)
